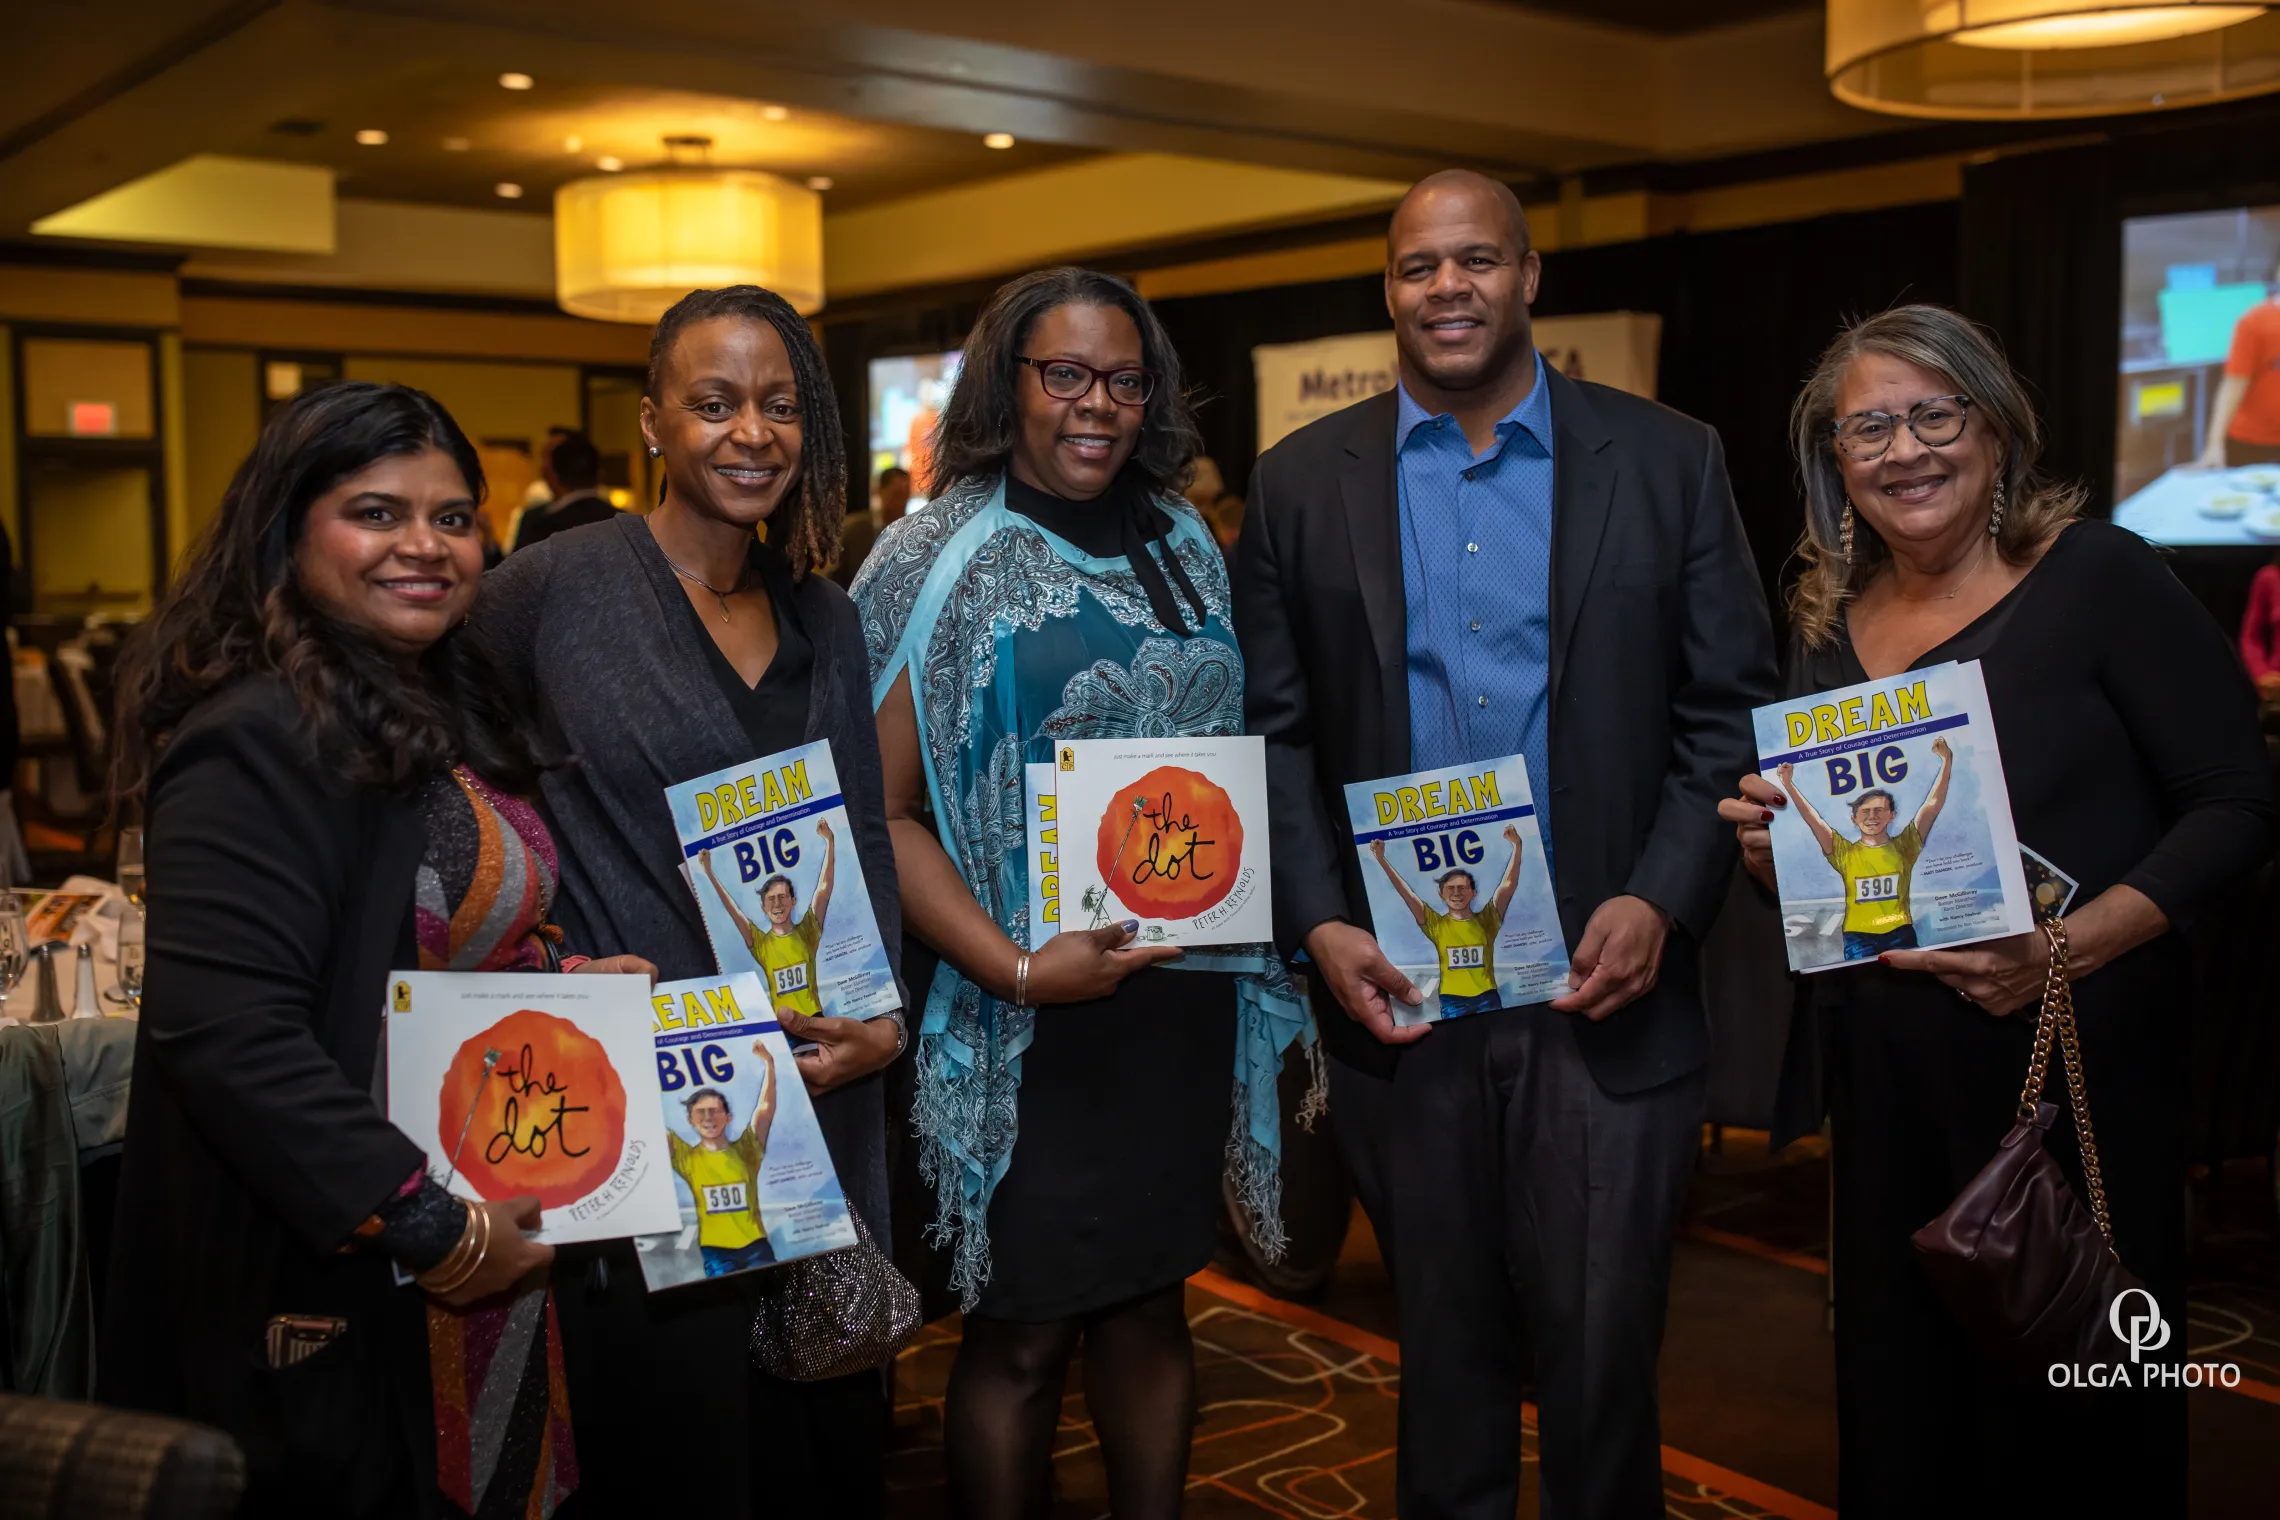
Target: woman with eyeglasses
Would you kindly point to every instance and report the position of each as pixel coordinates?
(2133, 762)
(1072, 1091)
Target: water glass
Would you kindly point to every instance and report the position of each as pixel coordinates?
(131, 864)
(15, 939)
(132, 937)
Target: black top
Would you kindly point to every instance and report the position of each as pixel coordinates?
(773, 712)
(1096, 526)
(1660, 646)
(2128, 732)
(279, 902)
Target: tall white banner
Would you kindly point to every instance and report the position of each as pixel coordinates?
(1298, 382)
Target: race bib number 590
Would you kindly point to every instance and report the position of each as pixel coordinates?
(1868, 889)
(724, 1197)
(791, 978)
(1467, 957)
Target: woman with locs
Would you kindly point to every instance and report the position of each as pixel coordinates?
(1072, 1091)
(2133, 764)
(320, 747)
(657, 649)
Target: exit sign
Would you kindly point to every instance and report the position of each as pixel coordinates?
(94, 419)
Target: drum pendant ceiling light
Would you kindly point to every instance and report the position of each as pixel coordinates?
(627, 246)
(1995, 59)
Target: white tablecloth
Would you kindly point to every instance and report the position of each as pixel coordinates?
(2175, 508)
(99, 929)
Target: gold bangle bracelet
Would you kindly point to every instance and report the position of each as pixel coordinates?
(451, 1273)
(1021, 981)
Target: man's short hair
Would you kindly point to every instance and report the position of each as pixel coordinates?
(577, 463)
(1448, 876)
(1862, 800)
(689, 1104)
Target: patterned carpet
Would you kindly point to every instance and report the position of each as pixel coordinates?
(1297, 1421)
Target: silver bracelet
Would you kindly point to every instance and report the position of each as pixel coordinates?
(1021, 981)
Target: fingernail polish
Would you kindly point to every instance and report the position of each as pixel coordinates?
(1765, 815)
(1131, 926)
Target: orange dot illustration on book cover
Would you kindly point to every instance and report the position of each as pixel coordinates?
(1170, 844)
(532, 1105)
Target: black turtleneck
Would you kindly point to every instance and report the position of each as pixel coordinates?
(1122, 520)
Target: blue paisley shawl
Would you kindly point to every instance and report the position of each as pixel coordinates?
(1014, 639)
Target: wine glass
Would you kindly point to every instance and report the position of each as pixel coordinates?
(15, 939)
(131, 864)
(132, 938)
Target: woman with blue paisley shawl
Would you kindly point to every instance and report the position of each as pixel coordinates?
(1073, 1106)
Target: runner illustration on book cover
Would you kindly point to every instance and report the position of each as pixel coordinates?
(785, 949)
(1465, 936)
(723, 1173)
(1877, 866)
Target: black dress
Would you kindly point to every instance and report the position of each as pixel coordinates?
(1113, 1189)
(2132, 756)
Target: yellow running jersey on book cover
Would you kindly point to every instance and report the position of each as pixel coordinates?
(1467, 949)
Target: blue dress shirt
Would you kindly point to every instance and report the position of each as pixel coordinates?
(1476, 570)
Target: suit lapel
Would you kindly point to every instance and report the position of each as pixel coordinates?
(1583, 492)
(1373, 524)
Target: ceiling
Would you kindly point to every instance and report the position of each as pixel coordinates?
(455, 136)
(1669, 18)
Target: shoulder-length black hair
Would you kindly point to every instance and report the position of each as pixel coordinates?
(976, 435)
(805, 529)
(237, 609)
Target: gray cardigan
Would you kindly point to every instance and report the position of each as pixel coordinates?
(591, 625)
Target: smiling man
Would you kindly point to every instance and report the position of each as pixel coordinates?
(1494, 560)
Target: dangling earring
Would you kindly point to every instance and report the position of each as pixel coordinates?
(1844, 537)
(1995, 518)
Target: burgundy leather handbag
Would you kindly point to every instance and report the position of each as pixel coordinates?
(2029, 1273)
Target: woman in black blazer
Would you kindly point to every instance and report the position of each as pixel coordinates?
(300, 712)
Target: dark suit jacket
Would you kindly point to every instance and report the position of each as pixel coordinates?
(279, 902)
(1660, 646)
(574, 510)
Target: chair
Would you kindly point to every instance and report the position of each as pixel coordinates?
(86, 1462)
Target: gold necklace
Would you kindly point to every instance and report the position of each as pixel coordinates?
(1945, 596)
(718, 594)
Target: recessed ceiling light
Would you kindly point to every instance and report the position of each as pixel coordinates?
(998, 140)
(507, 190)
(371, 137)
(819, 182)
(513, 81)
(609, 163)
(573, 143)
(456, 145)
(775, 113)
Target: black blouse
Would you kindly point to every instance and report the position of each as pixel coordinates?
(2128, 732)
(774, 711)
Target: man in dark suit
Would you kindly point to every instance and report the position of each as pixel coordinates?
(1494, 560)
(572, 468)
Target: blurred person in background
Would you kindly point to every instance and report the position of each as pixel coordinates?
(2244, 424)
(2260, 631)
(334, 778)
(862, 528)
(572, 470)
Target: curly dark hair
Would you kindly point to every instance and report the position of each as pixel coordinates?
(983, 418)
(808, 533)
(237, 610)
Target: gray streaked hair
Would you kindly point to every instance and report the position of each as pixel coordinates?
(1968, 358)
